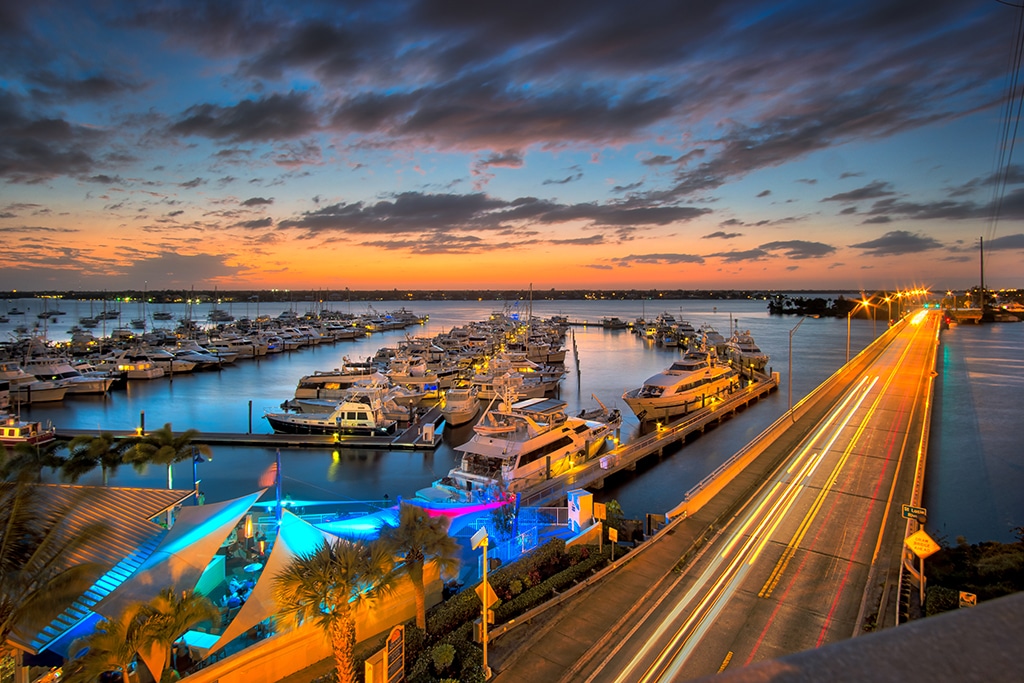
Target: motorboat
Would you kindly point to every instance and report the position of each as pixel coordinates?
(460, 405)
(361, 415)
(333, 384)
(517, 444)
(61, 372)
(171, 363)
(688, 384)
(393, 400)
(14, 430)
(744, 354)
(26, 389)
(132, 363)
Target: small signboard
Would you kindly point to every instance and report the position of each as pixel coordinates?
(492, 597)
(395, 650)
(600, 511)
(921, 544)
(914, 512)
(968, 599)
(613, 534)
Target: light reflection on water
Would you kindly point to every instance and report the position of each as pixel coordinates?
(979, 362)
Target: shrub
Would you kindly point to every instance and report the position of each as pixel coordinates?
(443, 656)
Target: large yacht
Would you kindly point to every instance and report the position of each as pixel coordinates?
(745, 354)
(361, 414)
(684, 386)
(460, 405)
(517, 444)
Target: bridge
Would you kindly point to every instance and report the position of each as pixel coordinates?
(794, 543)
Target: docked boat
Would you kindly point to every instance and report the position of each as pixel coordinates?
(394, 401)
(688, 384)
(14, 431)
(26, 389)
(460, 405)
(62, 372)
(361, 415)
(517, 444)
(744, 354)
(332, 384)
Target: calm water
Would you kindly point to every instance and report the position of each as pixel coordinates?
(978, 392)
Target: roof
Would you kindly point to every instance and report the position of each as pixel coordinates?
(127, 515)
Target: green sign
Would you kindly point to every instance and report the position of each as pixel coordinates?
(914, 512)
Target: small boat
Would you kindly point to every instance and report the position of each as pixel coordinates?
(360, 416)
(460, 405)
(743, 353)
(14, 430)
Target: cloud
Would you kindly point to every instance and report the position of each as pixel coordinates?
(258, 201)
(722, 235)
(873, 190)
(799, 249)
(658, 259)
(275, 117)
(897, 243)
(1006, 242)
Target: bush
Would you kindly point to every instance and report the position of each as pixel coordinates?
(443, 656)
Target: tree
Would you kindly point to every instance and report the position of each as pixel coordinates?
(162, 447)
(149, 628)
(35, 582)
(112, 646)
(327, 586)
(169, 615)
(87, 452)
(416, 540)
(29, 460)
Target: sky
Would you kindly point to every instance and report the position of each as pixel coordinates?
(553, 144)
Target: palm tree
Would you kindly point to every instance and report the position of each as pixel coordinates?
(141, 628)
(35, 582)
(416, 540)
(87, 452)
(27, 459)
(327, 586)
(170, 614)
(112, 646)
(162, 447)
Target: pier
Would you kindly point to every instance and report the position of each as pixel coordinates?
(626, 456)
(422, 434)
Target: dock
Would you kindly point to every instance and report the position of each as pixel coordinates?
(626, 456)
(423, 434)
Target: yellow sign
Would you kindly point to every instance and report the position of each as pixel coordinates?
(921, 544)
(492, 597)
(600, 512)
(968, 599)
(613, 534)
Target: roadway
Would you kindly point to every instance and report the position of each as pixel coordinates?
(788, 567)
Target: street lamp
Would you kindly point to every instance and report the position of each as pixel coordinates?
(790, 374)
(849, 315)
(196, 459)
(479, 540)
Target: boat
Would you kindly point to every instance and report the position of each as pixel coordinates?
(394, 400)
(332, 384)
(460, 405)
(517, 444)
(688, 384)
(25, 389)
(61, 372)
(14, 430)
(714, 339)
(132, 363)
(743, 353)
(361, 415)
(613, 323)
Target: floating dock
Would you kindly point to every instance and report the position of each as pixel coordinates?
(423, 434)
(626, 456)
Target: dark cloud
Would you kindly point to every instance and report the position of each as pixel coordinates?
(739, 256)
(275, 117)
(799, 249)
(563, 181)
(764, 193)
(257, 223)
(35, 148)
(1007, 242)
(722, 235)
(191, 184)
(897, 243)
(50, 88)
(873, 190)
(258, 201)
(658, 259)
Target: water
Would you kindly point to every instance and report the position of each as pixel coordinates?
(985, 364)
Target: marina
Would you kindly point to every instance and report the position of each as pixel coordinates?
(599, 362)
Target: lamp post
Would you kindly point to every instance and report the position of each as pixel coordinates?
(479, 540)
(848, 316)
(196, 459)
(790, 374)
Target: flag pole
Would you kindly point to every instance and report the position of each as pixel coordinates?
(277, 482)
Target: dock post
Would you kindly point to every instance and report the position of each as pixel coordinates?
(250, 416)
(142, 422)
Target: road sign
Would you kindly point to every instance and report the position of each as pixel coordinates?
(492, 597)
(968, 599)
(914, 512)
(921, 544)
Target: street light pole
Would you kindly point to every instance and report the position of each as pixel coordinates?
(848, 316)
(790, 374)
(480, 540)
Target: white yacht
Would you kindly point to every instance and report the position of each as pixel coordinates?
(25, 389)
(743, 353)
(684, 386)
(460, 405)
(61, 372)
(517, 444)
